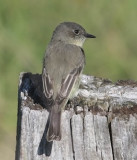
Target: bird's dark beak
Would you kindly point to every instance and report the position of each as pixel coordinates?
(87, 35)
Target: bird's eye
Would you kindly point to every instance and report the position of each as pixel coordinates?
(76, 32)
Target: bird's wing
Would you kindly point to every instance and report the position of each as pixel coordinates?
(68, 83)
(47, 87)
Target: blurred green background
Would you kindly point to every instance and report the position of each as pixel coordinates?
(26, 28)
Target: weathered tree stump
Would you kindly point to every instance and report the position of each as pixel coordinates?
(100, 123)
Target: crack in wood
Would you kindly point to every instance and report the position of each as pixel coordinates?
(72, 139)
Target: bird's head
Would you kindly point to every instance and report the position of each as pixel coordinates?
(71, 33)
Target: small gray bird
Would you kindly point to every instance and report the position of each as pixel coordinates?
(63, 63)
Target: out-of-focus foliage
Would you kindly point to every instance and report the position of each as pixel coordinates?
(26, 28)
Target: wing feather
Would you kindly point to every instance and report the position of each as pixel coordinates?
(47, 87)
(68, 84)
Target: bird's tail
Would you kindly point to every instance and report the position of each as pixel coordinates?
(54, 130)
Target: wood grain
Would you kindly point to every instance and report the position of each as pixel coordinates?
(99, 123)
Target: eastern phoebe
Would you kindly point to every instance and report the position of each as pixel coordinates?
(63, 63)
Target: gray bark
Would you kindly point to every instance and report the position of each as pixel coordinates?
(99, 123)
